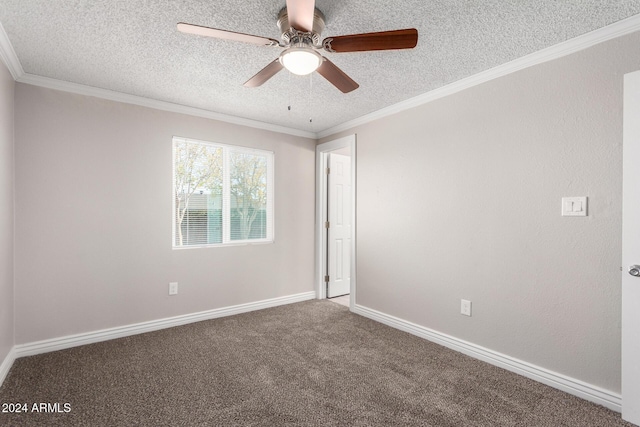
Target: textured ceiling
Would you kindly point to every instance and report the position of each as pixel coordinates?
(132, 46)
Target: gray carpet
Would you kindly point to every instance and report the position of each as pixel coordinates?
(307, 364)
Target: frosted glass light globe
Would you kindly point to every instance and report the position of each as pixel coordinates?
(300, 60)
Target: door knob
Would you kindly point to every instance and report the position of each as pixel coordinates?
(634, 270)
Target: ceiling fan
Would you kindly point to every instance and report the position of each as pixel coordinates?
(301, 24)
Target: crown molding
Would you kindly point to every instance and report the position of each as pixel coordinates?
(156, 104)
(10, 59)
(617, 29)
(9, 56)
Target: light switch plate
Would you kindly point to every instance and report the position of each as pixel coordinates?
(574, 206)
(173, 288)
(465, 307)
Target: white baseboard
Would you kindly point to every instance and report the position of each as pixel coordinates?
(62, 343)
(567, 384)
(6, 364)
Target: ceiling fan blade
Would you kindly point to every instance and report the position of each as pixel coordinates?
(301, 14)
(336, 76)
(265, 74)
(226, 35)
(384, 40)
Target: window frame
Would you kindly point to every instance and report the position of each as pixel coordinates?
(227, 150)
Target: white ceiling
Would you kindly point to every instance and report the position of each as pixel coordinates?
(133, 47)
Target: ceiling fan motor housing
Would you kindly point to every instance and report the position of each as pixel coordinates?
(293, 36)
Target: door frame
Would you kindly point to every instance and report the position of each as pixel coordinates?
(630, 292)
(322, 150)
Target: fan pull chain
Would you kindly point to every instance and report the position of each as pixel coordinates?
(310, 96)
(289, 91)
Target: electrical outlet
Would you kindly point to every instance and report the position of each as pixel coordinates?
(465, 307)
(173, 288)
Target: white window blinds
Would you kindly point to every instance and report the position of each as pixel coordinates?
(222, 194)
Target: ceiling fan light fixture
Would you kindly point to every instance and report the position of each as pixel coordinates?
(301, 60)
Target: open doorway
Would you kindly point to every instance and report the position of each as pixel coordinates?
(336, 220)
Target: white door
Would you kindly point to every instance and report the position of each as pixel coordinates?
(631, 250)
(339, 227)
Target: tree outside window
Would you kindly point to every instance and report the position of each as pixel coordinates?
(248, 196)
(222, 194)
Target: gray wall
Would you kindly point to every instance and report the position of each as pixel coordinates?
(461, 198)
(6, 211)
(93, 218)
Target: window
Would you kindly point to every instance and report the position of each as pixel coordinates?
(222, 194)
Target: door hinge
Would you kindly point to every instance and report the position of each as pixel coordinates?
(326, 279)
(326, 224)
(328, 171)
